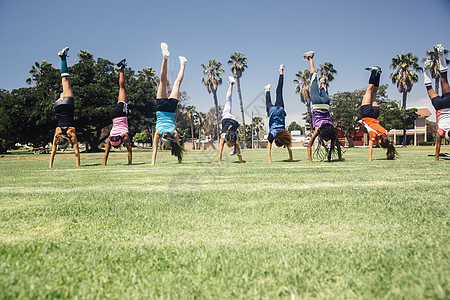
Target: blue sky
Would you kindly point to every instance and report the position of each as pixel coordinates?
(350, 34)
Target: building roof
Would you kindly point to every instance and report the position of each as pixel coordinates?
(423, 112)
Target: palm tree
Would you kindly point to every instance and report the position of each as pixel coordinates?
(258, 125)
(328, 71)
(190, 112)
(150, 75)
(434, 69)
(238, 65)
(303, 82)
(212, 80)
(200, 118)
(85, 55)
(405, 67)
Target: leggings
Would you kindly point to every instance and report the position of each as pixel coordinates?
(227, 108)
(279, 97)
(318, 96)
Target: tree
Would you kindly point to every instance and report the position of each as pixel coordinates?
(404, 76)
(238, 65)
(190, 112)
(95, 86)
(212, 80)
(393, 116)
(303, 82)
(258, 125)
(149, 75)
(181, 117)
(294, 126)
(211, 122)
(434, 69)
(328, 71)
(345, 111)
(200, 119)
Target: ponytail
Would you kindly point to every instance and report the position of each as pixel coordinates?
(176, 149)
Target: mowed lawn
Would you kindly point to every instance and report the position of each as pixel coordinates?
(350, 229)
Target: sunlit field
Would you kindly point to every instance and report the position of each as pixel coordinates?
(351, 229)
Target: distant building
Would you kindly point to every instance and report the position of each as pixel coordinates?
(413, 135)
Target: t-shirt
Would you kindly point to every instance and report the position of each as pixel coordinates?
(64, 110)
(165, 122)
(443, 120)
(277, 116)
(320, 117)
(227, 122)
(374, 128)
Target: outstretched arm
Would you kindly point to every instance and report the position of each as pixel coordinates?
(155, 147)
(177, 140)
(238, 152)
(76, 149)
(370, 149)
(438, 146)
(52, 155)
(107, 148)
(290, 153)
(221, 144)
(269, 151)
(311, 142)
(130, 153)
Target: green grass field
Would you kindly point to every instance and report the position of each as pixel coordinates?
(349, 229)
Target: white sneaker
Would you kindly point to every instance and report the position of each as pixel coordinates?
(267, 87)
(281, 67)
(183, 60)
(165, 50)
(309, 54)
(231, 80)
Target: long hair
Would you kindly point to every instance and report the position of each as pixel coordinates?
(175, 147)
(327, 132)
(391, 153)
(231, 136)
(283, 138)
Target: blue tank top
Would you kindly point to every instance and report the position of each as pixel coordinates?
(277, 116)
(165, 122)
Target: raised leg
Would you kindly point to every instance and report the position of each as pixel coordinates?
(122, 95)
(175, 94)
(162, 87)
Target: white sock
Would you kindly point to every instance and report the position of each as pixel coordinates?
(427, 77)
(183, 60)
(165, 50)
(442, 63)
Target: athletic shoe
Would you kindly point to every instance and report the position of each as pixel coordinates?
(231, 80)
(267, 87)
(183, 60)
(440, 48)
(281, 67)
(233, 152)
(307, 55)
(323, 80)
(427, 63)
(122, 64)
(165, 50)
(376, 68)
(63, 52)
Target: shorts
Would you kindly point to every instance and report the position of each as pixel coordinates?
(441, 102)
(369, 111)
(374, 128)
(167, 105)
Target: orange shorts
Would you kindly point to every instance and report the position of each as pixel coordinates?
(374, 128)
